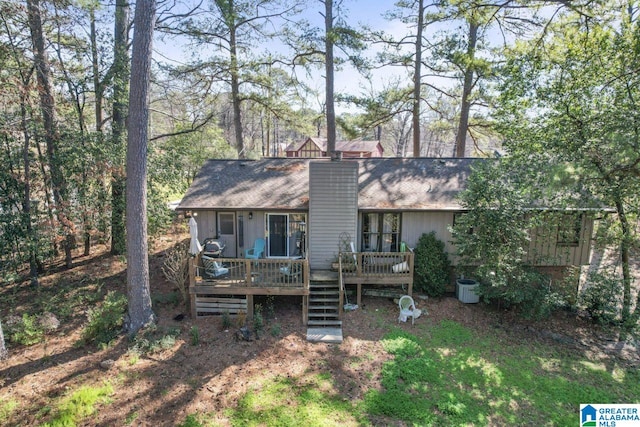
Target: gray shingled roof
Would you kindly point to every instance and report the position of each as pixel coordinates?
(283, 183)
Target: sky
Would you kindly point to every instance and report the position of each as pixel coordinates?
(347, 80)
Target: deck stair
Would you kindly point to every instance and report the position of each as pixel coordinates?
(324, 324)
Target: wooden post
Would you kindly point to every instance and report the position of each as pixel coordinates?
(193, 262)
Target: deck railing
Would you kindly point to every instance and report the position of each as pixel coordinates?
(377, 268)
(377, 264)
(245, 277)
(250, 273)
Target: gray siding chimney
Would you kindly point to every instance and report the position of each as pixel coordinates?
(333, 209)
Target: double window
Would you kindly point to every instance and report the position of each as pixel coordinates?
(380, 232)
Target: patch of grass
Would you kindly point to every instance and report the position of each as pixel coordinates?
(194, 332)
(309, 401)
(7, 407)
(451, 376)
(79, 405)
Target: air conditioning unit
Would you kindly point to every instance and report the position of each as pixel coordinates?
(466, 291)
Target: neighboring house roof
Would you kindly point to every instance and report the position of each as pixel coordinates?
(349, 146)
(283, 183)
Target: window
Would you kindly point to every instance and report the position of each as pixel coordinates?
(569, 229)
(458, 218)
(380, 232)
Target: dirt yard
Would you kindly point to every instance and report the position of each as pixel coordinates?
(162, 388)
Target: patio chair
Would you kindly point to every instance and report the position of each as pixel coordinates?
(257, 251)
(291, 272)
(213, 268)
(407, 309)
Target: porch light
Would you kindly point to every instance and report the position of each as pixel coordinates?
(250, 215)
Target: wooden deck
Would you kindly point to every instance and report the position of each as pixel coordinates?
(376, 268)
(241, 279)
(246, 278)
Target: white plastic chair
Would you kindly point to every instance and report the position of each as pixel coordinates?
(407, 309)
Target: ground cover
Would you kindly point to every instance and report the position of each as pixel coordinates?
(460, 364)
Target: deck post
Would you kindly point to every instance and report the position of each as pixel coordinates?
(249, 307)
(192, 285)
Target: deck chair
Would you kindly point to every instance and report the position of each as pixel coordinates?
(257, 251)
(407, 309)
(213, 268)
(292, 271)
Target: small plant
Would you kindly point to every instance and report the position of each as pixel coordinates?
(226, 320)
(241, 318)
(150, 340)
(105, 321)
(27, 331)
(195, 335)
(276, 330)
(432, 265)
(176, 269)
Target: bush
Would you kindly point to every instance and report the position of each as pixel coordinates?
(26, 331)
(431, 268)
(176, 269)
(151, 340)
(601, 299)
(105, 321)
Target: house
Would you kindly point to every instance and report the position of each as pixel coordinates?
(317, 147)
(308, 210)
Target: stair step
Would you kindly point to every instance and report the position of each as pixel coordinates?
(323, 300)
(323, 307)
(319, 293)
(325, 322)
(332, 315)
(324, 285)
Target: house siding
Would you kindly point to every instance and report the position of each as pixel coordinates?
(333, 209)
(414, 224)
(544, 249)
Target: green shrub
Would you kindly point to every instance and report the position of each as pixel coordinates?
(27, 331)
(106, 320)
(150, 340)
(431, 269)
(601, 299)
(195, 335)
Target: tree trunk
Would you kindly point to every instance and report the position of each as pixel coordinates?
(331, 113)
(3, 348)
(140, 312)
(624, 259)
(463, 125)
(26, 203)
(417, 81)
(47, 107)
(235, 90)
(118, 126)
